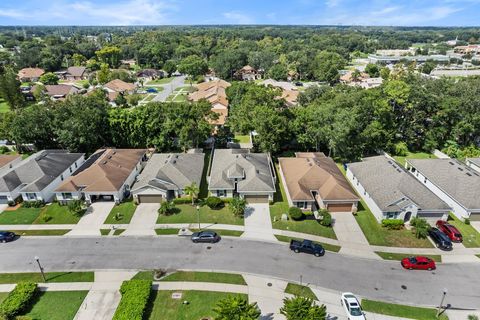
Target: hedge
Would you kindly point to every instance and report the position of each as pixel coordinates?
(135, 295)
(18, 299)
(295, 213)
(182, 200)
(393, 224)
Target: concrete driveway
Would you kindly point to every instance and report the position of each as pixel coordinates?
(258, 224)
(168, 88)
(143, 221)
(92, 221)
(3, 207)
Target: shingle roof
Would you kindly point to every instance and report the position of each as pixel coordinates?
(475, 161)
(63, 90)
(76, 71)
(315, 173)
(171, 171)
(453, 177)
(30, 73)
(119, 85)
(258, 174)
(392, 187)
(105, 170)
(38, 171)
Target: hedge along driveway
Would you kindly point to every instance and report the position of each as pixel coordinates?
(186, 213)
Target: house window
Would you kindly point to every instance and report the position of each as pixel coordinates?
(391, 215)
(70, 169)
(301, 205)
(61, 177)
(76, 165)
(67, 195)
(31, 196)
(221, 193)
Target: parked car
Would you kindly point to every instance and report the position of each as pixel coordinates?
(299, 84)
(419, 263)
(451, 231)
(441, 240)
(307, 246)
(352, 306)
(152, 90)
(205, 236)
(7, 236)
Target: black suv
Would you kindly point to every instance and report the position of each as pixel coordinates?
(441, 239)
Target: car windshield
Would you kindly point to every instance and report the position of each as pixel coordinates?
(355, 311)
(458, 235)
(413, 260)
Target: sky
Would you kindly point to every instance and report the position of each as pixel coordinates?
(207, 12)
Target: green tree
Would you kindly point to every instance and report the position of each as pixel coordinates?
(194, 66)
(373, 70)
(385, 73)
(76, 207)
(237, 206)
(301, 308)
(421, 227)
(169, 67)
(166, 208)
(78, 59)
(49, 78)
(109, 55)
(227, 62)
(236, 308)
(192, 190)
(10, 89)
(326, 66)
(103, 75)
(278, 72)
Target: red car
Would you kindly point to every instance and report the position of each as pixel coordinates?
(420, 263)
(450, 231)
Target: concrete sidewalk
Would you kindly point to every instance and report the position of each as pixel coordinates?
(268, 294)
(143, 220)
(91, 223)
(258, 224)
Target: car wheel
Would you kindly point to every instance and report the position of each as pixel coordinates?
(410, 268)
(296, 251)
(429, 269)
(317, 254)
(195, 241)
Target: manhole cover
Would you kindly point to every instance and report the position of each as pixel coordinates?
(376, 289)
(269, 284)
(404, 287)
(231, 247)
(208, 248)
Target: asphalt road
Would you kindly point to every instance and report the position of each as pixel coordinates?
(383, 280)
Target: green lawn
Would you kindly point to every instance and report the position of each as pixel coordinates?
(20, 216)
(161, 81)
(413, 155)
(125, 210)
(203, 182)
(215, 277)
(166, 231)
(118, 232)
(178, 95)
(241, 138)
(228, 233)
(3, 295)
(149, 97)
(326, 246)
(302, 291)
(186, 213)
(55, 232)
(377, 235)
(471, 237)
(105, 232)
(402, 311)
(400, 256)
(51, 277)
(201, 303)
(58, 215)
(280, 206)
(4, 106)
(56, 305)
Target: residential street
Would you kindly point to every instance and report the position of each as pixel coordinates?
(168, 88)
(382, 280)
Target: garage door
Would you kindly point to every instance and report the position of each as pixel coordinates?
(475, 217)
(150, 198)
(256, 199)
(339, 207)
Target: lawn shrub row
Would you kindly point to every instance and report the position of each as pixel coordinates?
(182, 200)
(135, 295)
(393, 224)
(17, 300)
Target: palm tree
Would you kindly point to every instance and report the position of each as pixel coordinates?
(166, 207)
(236, 308)
(301, 308)
(237, 206)
(192, 190)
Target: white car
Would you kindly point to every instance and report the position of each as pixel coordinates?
(352, 306)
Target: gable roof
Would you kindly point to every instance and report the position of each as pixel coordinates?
(171, 171)
(105, 170)
(392, 187)
(256, 170)
(459, 181)
(316, 172)
(60, 90)
(30, 73)
(214, 92)
(118, 85)
(6, 159)
(37, 171)
(76, 71)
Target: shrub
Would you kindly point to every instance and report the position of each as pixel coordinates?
(182, 200)
(76, 207)
(36, 204)
(467, 221)
(401, 149)
(46, 218)
(135, 295)
(166, 208)
(23, 318)
(393, 224)
(421, 227)
(214, 202)
(327, 218)
(4, 149)
(237, 206)
(18, 299)
(295, 213)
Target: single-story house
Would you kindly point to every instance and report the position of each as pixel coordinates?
(151, 74)
(76, 73)
(313, 181)
(120, 86)
(452, 181)
(30, 74)
(36, 177)
(290, 92)
(106, 176)
(237, 172)
(391, 192)
(60, 91)
(474, 163)
(166, 175)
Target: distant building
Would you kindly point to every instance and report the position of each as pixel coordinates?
(215, 93)
(394, 59)
(470, 49)
(396, 52)
(290, 92)
(30, 74)
(363, 80)
(60, 91)
(248, 73)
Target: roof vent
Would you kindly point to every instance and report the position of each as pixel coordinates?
(390, 161)
(461, 169)
(104, 162)
(174, 161)
(176, 156)
(399, 170)
(258, 171)
(114, 152)
(451, 163)
(469, 174)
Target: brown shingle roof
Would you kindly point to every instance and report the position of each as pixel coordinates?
(119, 85)
(214, 92)
(76, 71)
(105, 170)
(7, 158)
(305, 173)
(30, 73)
(60, 90)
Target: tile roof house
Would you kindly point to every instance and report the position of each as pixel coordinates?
(30, 74)
(290, 92)
(215, 93)
(166, 175)
(239, 172)
(106, 176)
(391, 192)
(473, 163)
(452, 181)
(313, 181)
(36, 177)
(76, 73)
(248, 73)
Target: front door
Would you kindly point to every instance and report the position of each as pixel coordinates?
(408, 215)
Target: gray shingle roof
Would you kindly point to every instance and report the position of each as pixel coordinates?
(453, 177)
(392, 187)
(233, 162)
(475, 161)
(171, 171)
(37, 171)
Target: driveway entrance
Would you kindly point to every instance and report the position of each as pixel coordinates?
(258, 224)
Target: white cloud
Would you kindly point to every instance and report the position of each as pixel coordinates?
(10, 13)
(332, 3)
(238, 18)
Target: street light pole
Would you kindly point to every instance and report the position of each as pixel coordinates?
(198, 216)
(441, 302)
(41, 268)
